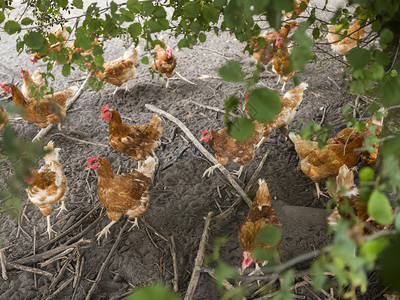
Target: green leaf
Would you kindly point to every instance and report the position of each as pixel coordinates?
(393, 73)
(210, 13)
(379, 208)
(63, 3)
(34, 40)
(99, 61)
(241, 129)
(191, 9)
(220, 3)
(135, 29)
(223, 272)
(385, 37)
(12, 27)
(26, 21)
(66, 70)
(366, 174)
(77, 3)
(264, 104)
(270, 235)
(134, 6)
(145, 60)
(97, 50)
(381, 58)
(358, 58)
(202, 37)
(83, 42)
(183, 43)
(152, 26)
(397, 221)
(159, 12)
(2, 17)
(372, 248)
(232, 72)
(316, 33)
(154, 291)
(147, 8)
(317, 271)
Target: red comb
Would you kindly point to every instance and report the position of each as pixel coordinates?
(105, 108)
(90, 161)
(246, 97)
(204, 132)
(22, 71)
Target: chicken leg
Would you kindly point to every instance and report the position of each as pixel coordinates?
(260, 142)
(283, 87)
(210, 170)
(62, 207)
(238, 172)
(105, 230)
(49, 229)
(135, 224)
(319, 193)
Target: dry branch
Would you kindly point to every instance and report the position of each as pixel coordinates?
(3, 265)
(63, 286)
(105, 263)
(28, 269)
(202, 150)
(46, 130)
(199, 260)
(173, 254)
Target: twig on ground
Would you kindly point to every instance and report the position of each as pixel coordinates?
(105, 263)
(3, 262)
(47, 254)
(323, 116)
(326, 294)
(199, 260)
(202, 150)
(63, 286)
(155, 231)
(46, 130)
(56, 257)
(334, 82)
(175, 264)
(184, 79)
(211, 272)
(222, 111)
(28, 269)
(76, 283)
(123, 296)
(60, 274)
(34, 253)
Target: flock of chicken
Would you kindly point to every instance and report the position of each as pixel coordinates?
(128, 194)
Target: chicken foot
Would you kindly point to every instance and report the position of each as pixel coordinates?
(260, 142)
(62, 207)
(319, 193)
(238, 172)
(49, 228)
(135, 224)
(210, 170)
(105, 230)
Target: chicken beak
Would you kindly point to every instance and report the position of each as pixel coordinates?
(101, 116)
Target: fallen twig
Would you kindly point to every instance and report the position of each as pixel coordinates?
(63, 286)
(323, 116)
(184, 79)
(56, 257)
(3, 265)
(105, 263)
(34, 253)
(174, 262)
(155, 231)
(47, 254)
(222, 111)
(60, 274)
(44, 131)
(78, 278)
(202, 150)
(28, 269)
(199, 260)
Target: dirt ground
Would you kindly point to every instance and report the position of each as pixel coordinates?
(180, 197)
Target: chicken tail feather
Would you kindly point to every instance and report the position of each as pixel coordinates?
(263, 197)
(53, 155)
(148, 167)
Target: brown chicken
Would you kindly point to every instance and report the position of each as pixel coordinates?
(3, 118)
(261, 214)
(136, 141)
(48, 185)
(50, 110)
(120, 70)
(348, 205)
(32, 83)
(290, 101)
(321, 164)
(164, 62)
(72, 49)
(281, 63)
(267, 53)
(227, 149)
(341, 46)
(61, 36)
(297, 8)
(122, 194)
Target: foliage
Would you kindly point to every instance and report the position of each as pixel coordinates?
(349, 257)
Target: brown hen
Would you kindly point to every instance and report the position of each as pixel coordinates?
(61, 35)
(3, 118)
(122, 194)
(342, 46)
(164, 62)
(261, 214)
(31, 83)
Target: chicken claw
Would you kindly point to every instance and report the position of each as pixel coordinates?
(260, 142)
(257, 271)
(135, 224)
(210, 170)
(319, 193)
(62, 207)
(238, 172)
(49, 228)
(105, 230)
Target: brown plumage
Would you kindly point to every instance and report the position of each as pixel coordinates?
(122, 194)
(61, 35)
(297, 8)
(164, 61)
(349, 206)
(321, 164)
(290, 101)
(72, 49)
(261, 214)
(267, 53)
(3, 118)
(120, 70)
(342, 46)
(50, 110)
(35, 81)
(227, 149)
(136, 141)
(281, 65)
(48, 185)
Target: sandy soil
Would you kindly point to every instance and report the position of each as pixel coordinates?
(180, 197)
